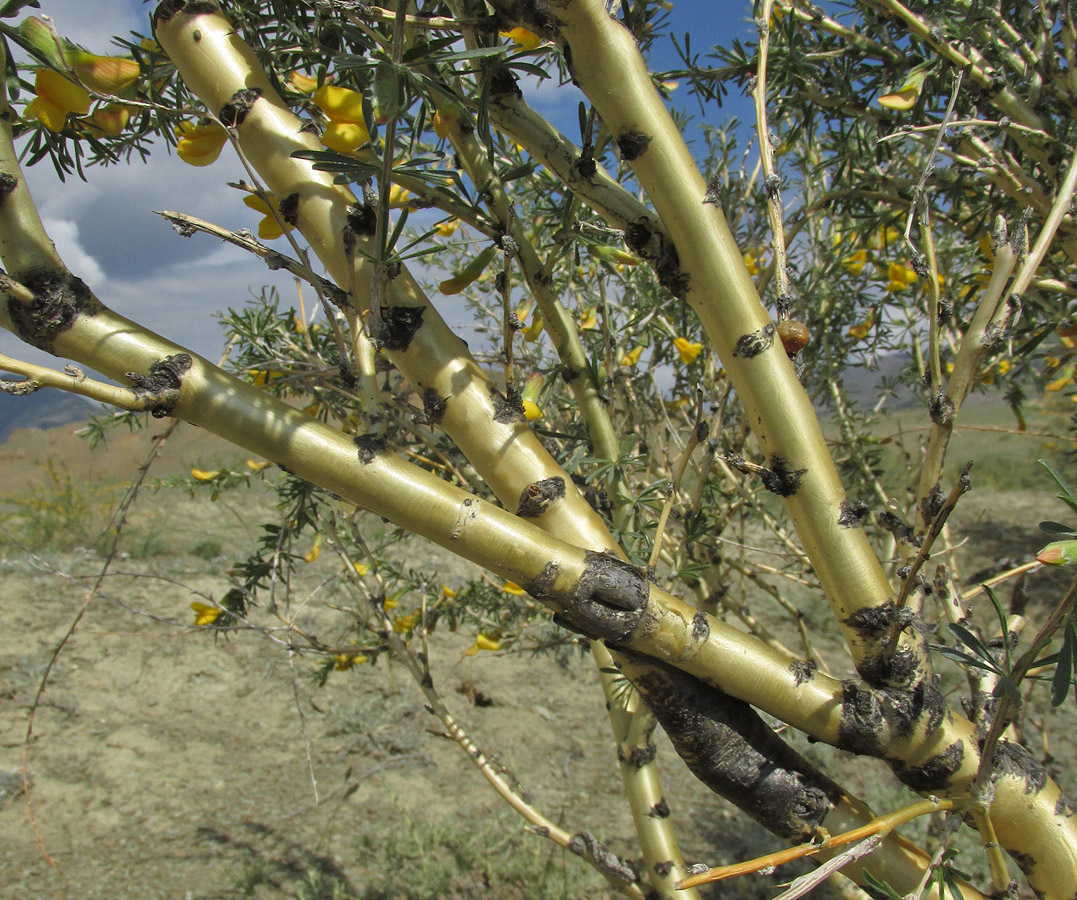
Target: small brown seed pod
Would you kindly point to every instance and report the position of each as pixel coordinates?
(795, 336)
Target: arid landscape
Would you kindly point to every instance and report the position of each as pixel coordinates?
(165, 764)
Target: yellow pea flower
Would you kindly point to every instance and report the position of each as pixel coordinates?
(531, 411)
(511, 587)
(883, 238)
(901, 276)
(522, 38)
(111, 118)
(315, 551)
(399, 197)
(344, 661)
(406, 624)
(483, 642)
(257, 465)
(269, 228)
(863, 329)
(687, 350)
(589, 319)
(103, 74)
(203, 475)
(854, 264)
(1004, 366)
(905, 96)
(447, 229)
(56, 97)
(346, 130)
(361, 568)
(632, 356)
(199, 145)
(444, 120)
(150, 45)
(751, 260)
(302, 84)
(448, 591)
(205, 615)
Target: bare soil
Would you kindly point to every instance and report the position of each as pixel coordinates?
(164, 764)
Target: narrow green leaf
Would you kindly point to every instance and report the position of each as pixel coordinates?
(973, 643)
(1066, 496)
(1002, 622)
(1063, 675)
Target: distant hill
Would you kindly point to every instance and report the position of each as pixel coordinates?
(47, 408)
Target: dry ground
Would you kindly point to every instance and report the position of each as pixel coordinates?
(164, 765)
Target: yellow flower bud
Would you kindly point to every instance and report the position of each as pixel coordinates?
(522, 38)
(687, 350)
(56, 98)
(104, 74)
(205, 615)
(632, 356)
(199, 145)
(204, 475)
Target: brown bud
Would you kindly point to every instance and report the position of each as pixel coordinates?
(794, 336)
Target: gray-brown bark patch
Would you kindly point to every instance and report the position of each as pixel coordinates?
(782, 479)
(638, 757)
(369, 446)
(503, 83)
(802, 671)
(507, 409)
(1016, 762)
(433, 406)
(701, 629)
(935, 774)
(163, 382)
(731, 749)
(289, 208)
(660, 810)
(633, 144)
(941, 409)
(663, 868)
(8, 183)
(862, 722)
(607, 602)
(536, 498)
(239, 104)
(1065, 807)
(59, 299)
(586, 845)
(853, 513)
(169, 8)
(756, 342)
(362, 220)
(399, 325)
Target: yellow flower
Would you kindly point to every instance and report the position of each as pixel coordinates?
(205, 615)
(751, 260)
(688, 350)
(111, 118)
(447, 228)
(344, 661)
(150, 45)
(483, 642)
(901, 276)
(588, 319)
(361, 568)
(448, 591)
(315, 551)
(632, 356)
(390, 603)
(522, 38)
(269, 228)
(399, 197)
(1004, 366)
(863, 329)
(883, 238)
(302, 84)
(531, 411)
(56, 97)
(104, 74)
(257, 465)
(199, 145)
(406, 624)
(854, 264)
(203, 475)
(905, 96)
(346, 130)
(511, 587)
(444, 119)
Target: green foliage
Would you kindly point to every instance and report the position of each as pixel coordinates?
(60, 513)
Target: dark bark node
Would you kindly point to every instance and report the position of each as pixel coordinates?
(235, 110)
(8, 183)
(633, 144)
(781, 479)
(660, 810)
(59, 299)
(399, 325)
(169, 8)
(935, 774)
(433, 406)
(607, 602)
(756, 342)
(507, 409)
(730, 749)
(289, 208)
(536, 498)
(163, 381)
(369, 446)
(362, 220)
(802, 671)
(853, 513)
(1015, 761)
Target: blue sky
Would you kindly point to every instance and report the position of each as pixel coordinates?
(106, 231)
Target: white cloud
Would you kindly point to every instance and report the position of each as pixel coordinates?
(65, 235)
